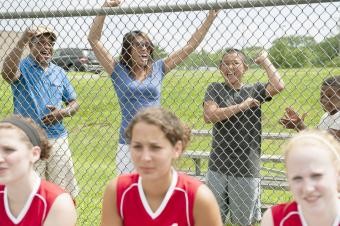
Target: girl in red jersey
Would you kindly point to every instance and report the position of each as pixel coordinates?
(25, 199)
(157, 194)
(312, 161)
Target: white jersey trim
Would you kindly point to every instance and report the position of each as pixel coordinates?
(123, 197)
(303, 220)
(186, 204)
(165, 201)
(27, 205)
(45, 206)
(288, 216)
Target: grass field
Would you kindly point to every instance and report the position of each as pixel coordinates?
(94, 130)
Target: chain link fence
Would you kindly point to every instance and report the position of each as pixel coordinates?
(301, 37)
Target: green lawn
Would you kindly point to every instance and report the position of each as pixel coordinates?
(94, 130)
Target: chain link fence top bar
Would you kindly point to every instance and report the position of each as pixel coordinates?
(157, 9)
(302, 40)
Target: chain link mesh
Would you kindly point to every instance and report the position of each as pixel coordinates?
(302, 41)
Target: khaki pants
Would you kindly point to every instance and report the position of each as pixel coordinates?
(58, 168)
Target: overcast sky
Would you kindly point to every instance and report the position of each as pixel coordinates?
(233, 27)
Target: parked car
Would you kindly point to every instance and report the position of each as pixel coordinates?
(75, 59)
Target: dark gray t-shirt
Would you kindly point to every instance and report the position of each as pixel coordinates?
(236, 145)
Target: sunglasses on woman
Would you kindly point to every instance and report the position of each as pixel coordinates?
(142, 44)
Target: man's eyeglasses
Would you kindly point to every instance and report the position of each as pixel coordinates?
(37, 41)
(142, 44)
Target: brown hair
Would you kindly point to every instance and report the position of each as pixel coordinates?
(125, 55)
(167, 121)
(44, 143)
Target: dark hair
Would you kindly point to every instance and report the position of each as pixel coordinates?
(167, 121)
(45, 146)
(125, 55)
(239, 52)
(333, 81)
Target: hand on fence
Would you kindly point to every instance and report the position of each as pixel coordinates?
(27, 36)
(262, 58)
(56, 115)
(249, 103)
(292, 120)
(214, 12)
(111, 3)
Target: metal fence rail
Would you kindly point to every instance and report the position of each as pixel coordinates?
(301, 37)
(161, 8)
(265, 135)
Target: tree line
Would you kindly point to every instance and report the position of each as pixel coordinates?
(285, 52)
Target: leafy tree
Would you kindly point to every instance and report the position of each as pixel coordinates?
(335, 62)
(292, 51)
(159, 53)
(251, 54)
(327, 50)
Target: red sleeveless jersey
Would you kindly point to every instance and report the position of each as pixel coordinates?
(176, 208)
(36, 208)
(287, 214)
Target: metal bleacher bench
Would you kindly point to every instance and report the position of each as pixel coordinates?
(277, 182)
